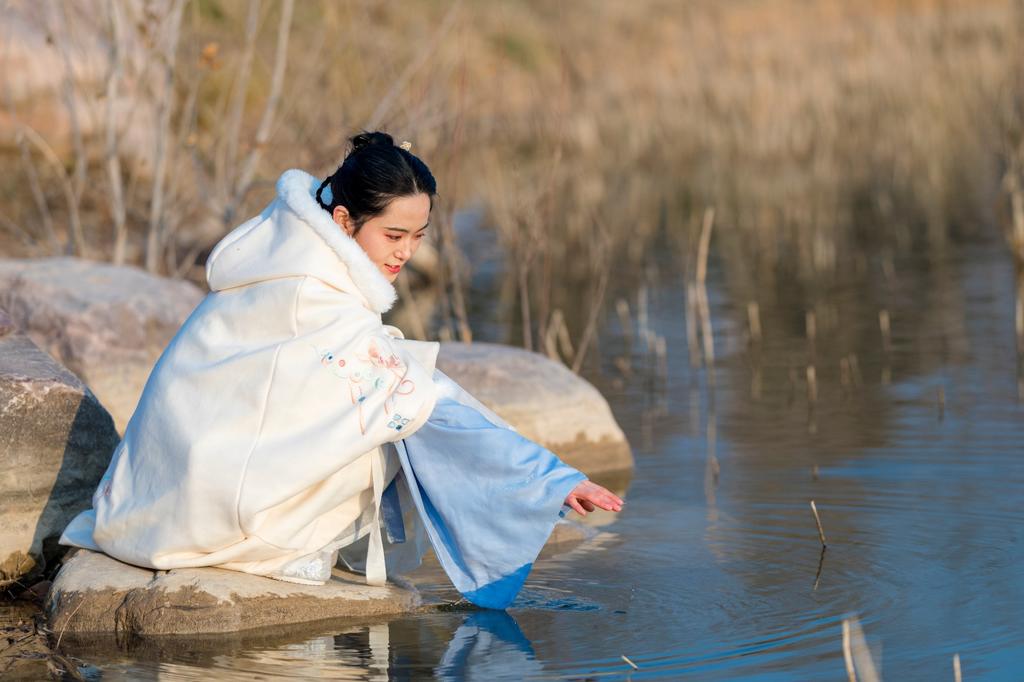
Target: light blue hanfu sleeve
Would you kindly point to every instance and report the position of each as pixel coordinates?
(488, 498)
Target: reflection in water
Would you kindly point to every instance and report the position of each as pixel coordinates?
(478, 645)
(488, 646)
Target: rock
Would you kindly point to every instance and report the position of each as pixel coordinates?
(108, 324)
(544, 401)
(55, 443)
(96, 594)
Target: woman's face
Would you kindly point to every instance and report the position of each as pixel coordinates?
(390, 239)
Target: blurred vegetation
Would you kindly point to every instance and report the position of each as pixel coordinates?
(823, 133)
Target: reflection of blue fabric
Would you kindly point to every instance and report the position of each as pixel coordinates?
(488, 646)
(487, 496)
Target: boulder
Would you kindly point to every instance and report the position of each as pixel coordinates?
(95, 594)
(544, 401)
(55, 442)
(108, 324)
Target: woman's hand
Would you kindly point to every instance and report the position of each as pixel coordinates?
(588, 496)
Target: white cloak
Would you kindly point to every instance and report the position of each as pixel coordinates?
(257, 439)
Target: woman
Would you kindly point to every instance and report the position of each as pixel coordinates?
(272, 430)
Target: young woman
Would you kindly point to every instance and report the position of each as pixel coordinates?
(285, 422)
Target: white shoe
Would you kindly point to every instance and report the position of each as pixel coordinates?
(311, 569)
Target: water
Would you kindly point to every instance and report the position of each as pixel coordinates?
(717, 572)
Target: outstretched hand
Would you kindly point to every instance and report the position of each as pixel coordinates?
(588, 496)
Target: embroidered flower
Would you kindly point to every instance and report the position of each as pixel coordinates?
(397, 422)
(375, 371)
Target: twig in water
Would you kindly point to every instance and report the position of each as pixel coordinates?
(860, 654)
(1019, 316)
(956, 668)
(707, 337)
(821, 563)
(691, 324)
(855, 370)
(754, 319)
(564, 340)
(625, 319)
(812, 384)
(817, 520)
(631, 663)
(847, 654)
(844, 372)
(811, 327)
(661, 352)
(703, 245)
(884, 326)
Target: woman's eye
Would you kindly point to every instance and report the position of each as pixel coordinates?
(420, 235)
(393, 237)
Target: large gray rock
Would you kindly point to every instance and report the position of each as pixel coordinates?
(107, 324)
(95, 594)
(544, 401)
(55, 442)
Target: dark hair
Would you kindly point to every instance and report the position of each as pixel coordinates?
(374, 173)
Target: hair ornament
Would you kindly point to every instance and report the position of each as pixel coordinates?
(324, 195)
(406, 145)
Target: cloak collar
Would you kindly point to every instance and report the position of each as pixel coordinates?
(297, 189)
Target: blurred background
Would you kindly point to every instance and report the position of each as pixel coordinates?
(829, 137)
(783, 237)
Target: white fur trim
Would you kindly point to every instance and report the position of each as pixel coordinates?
(298, 190)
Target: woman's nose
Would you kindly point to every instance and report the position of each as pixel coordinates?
(404, 251)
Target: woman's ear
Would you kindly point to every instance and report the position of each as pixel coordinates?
(344, 220)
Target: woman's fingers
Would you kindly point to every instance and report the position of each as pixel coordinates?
(588, 496)
(573, 502)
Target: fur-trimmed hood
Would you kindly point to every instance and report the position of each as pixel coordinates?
(295, 237)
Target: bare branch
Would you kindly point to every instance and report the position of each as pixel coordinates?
(113, 159)
(170, 35)
(267, 121)
(61, 16)
(388, 100)
(38, 197)
(18, 231)
(228, 158)
(37, 140)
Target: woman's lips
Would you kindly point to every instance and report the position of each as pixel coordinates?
(393, 269)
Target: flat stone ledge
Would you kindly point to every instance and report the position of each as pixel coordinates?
(95, 594)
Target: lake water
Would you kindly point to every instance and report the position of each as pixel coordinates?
(913, 451)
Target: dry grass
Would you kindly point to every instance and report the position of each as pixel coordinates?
(584, 128)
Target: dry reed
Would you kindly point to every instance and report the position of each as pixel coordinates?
(911, 126)
(817, 521)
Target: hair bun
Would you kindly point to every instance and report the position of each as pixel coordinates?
(365, 139)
